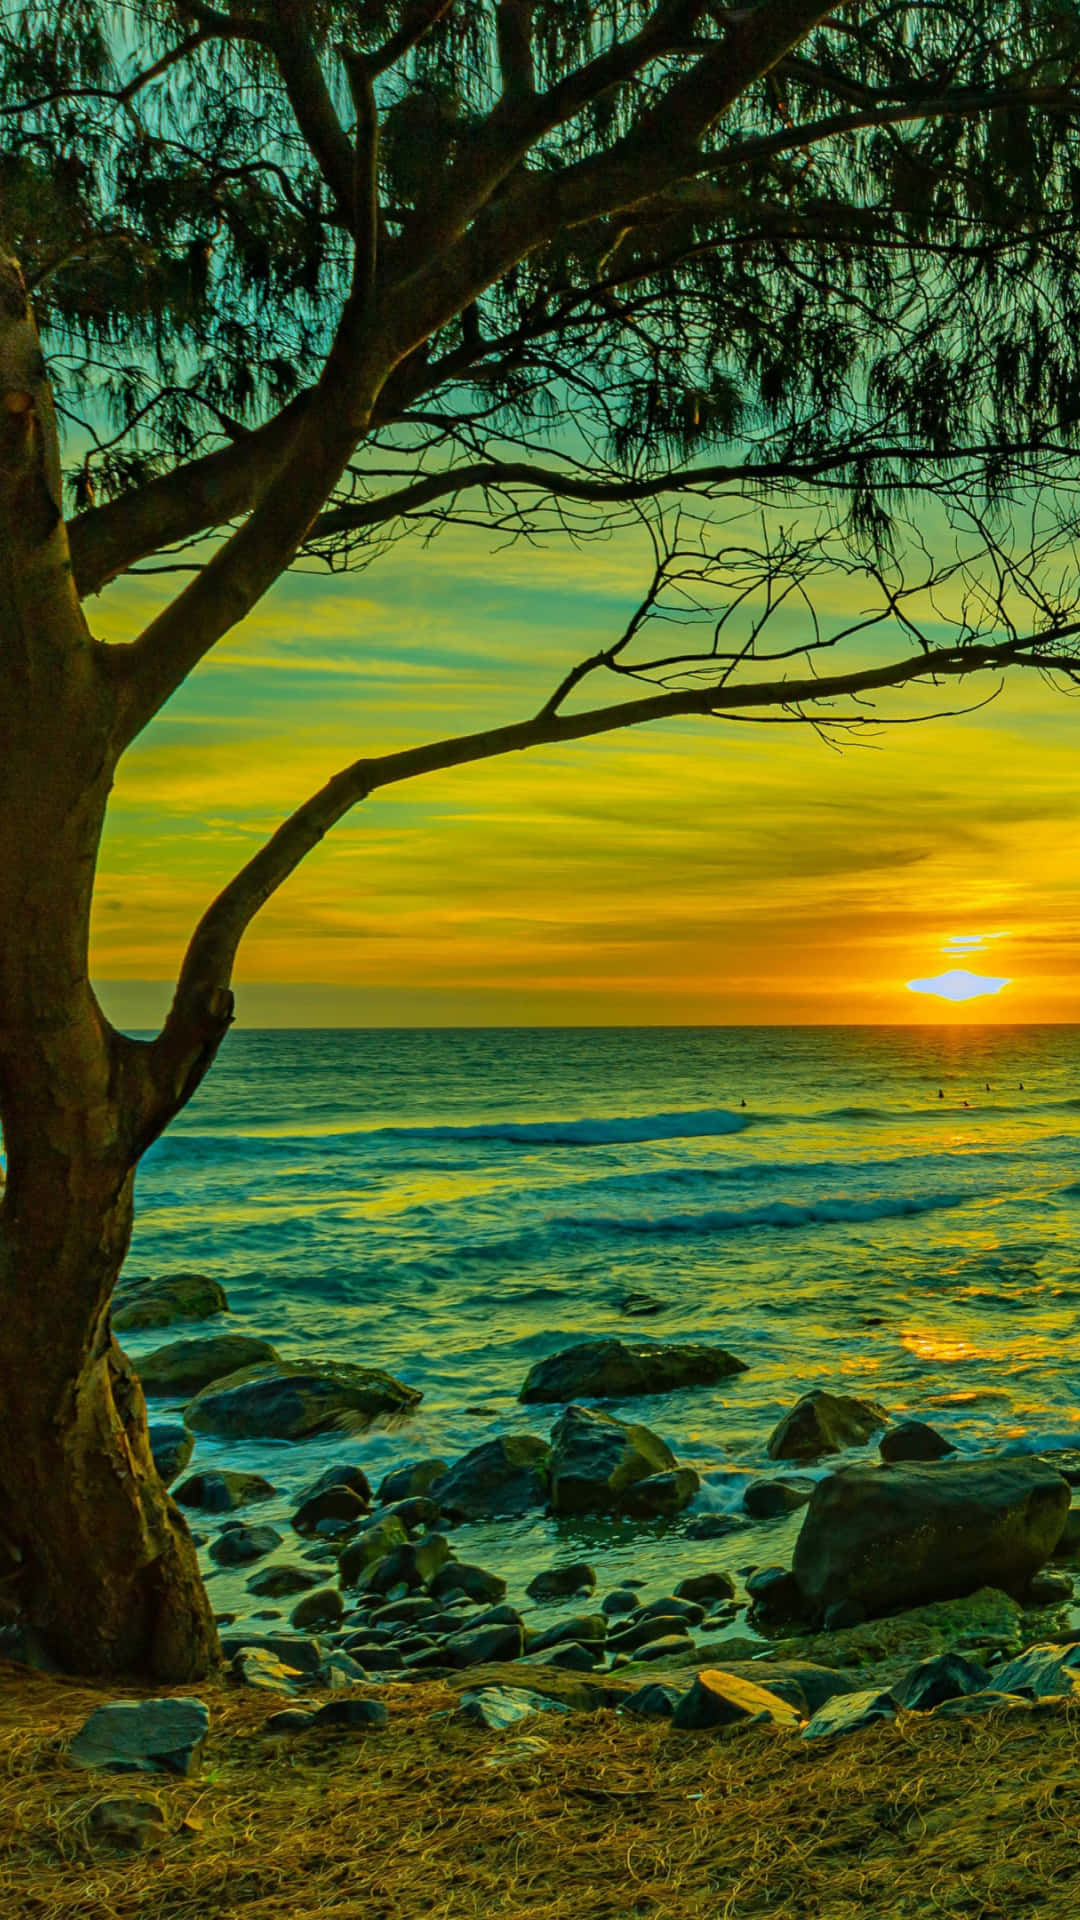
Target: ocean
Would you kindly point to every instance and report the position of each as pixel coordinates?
(881, 1211)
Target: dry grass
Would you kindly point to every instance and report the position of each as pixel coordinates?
(586, 1817)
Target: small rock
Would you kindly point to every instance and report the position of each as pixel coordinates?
(575, 1658)
(595, 1460)
(351, 1713)
(642, 1303)
(660, 1495)
(417, 1512)
(172, 1448)
(318, 1609)
(1041, 1670)
(1069, 1542)
(478, 1647)
(411, 1478)
(374, 1656)
(617, 1370)
(619, 1600)
(824, 1423)
(373, 1544)
(675, 1648)
(673, 1607)
(330, 1511)
(847, 1712)
(341, 1670)
(290, 1400)
(219, 1490)
(720, 1699)
(774, 1593)
(403, 1571)
(456, 1576)
(186, 1366)
(300, 1651)
(768, 1499)
(341, 1474)
(133, 1824)
(913, 1440)
(500, 1707)
(562, 1583)
(503, 1478)
(653, 1700)
(654, 1627)
(238, 1543)
(277, 1581)
(258, 1667)
(289, 1720)
(713, 1526)
(144, 1302)
(1049, 1589)
(942, 1678)
(142, 1736)
(580, 1626)
(416, 1607)
(706, 1588)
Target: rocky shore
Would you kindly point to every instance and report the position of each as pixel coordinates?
(924, 1582)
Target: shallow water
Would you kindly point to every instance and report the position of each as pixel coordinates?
(451, 1205)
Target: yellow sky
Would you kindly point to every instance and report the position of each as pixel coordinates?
(703, 872)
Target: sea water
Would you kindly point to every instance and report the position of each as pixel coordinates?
(881, 1211)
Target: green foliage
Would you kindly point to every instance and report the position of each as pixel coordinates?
(909, 281)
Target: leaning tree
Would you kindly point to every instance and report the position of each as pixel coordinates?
(290, 279)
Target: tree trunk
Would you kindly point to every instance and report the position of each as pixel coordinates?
(93, 1552)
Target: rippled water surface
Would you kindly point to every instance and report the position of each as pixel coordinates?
(451, 1205)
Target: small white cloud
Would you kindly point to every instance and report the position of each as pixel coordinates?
(957, 984)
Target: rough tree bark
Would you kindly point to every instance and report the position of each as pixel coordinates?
(96, 1553)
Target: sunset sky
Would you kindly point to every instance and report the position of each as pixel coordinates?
(702, 872)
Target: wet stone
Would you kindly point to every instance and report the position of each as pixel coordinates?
(456, 1576)
(172, 1448)
(913, 1440)
(580, 1626)
(620, 1600)
(331, 1511)
(341, 1474)
(562, 1583)
(770, 1499)
(672, 1607)
(413, 1477)
(706, 1588)
(654, 1626)
(278, 1581)
(219, 1490)
(238, 1543)
(318, 1609)
(714, 1526)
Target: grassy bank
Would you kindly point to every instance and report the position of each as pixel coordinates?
(581, 1817)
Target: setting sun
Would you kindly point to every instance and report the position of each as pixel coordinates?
(957, 984)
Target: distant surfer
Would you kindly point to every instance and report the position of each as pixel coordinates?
(742, 1103)
(941, 1093)
(988, 1086)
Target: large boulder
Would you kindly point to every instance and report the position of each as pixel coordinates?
(501, 1478)
(595, 1460)
(619, 1370)
(290, 1399)
(186, 1366)
(881, 1539)
(824, 1423)
(146, 1302)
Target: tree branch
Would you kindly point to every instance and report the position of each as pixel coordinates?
(203, 998)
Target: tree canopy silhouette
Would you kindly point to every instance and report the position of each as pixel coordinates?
(284, 281)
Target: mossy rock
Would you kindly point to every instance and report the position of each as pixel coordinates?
(149, 1302)
(289, 1399)
(595, 1460)
(186, 1366)
(987, 1619)
(823, 1423)
(622, 1370)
